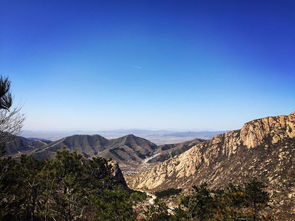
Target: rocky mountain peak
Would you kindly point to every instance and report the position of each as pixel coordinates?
(276, 128)
(117, 173)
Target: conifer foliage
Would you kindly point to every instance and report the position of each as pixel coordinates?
(68, 187)
(244, 202)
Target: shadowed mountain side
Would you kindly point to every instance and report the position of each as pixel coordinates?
(140, 146)
(88, 145)
(19, 145)
(127, 149)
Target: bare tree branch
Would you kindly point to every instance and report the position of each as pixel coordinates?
(11, 123)
(11, 120)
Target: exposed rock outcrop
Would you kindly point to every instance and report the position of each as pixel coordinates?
(263, 149)
(117, 173)
(277, 128)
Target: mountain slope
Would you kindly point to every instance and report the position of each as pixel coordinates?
(127, 149)
(263, 148)
(167, 151)
(18, 145)
(87, 145)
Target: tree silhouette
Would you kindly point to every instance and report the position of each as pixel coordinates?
(5, 95)
(11, 120)
(256, 197)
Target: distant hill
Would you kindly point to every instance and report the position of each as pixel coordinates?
(167, 151)
(18, 145)
(88, 145)
(126, 149)
(129, 149)
(158, 137)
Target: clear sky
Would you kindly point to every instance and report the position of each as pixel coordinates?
(148, 64)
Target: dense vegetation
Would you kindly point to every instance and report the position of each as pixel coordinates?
(68, 187)
(231, 203)
(71, 187)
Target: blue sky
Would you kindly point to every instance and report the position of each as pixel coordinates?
(148, 64)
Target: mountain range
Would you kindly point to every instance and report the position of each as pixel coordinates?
(130, 151)
(127, 149)
(158, 137)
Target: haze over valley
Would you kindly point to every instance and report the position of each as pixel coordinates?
(156, 136)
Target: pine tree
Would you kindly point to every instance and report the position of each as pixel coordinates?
(256, 197)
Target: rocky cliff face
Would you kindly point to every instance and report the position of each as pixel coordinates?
(263, 149)
(117, 173)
